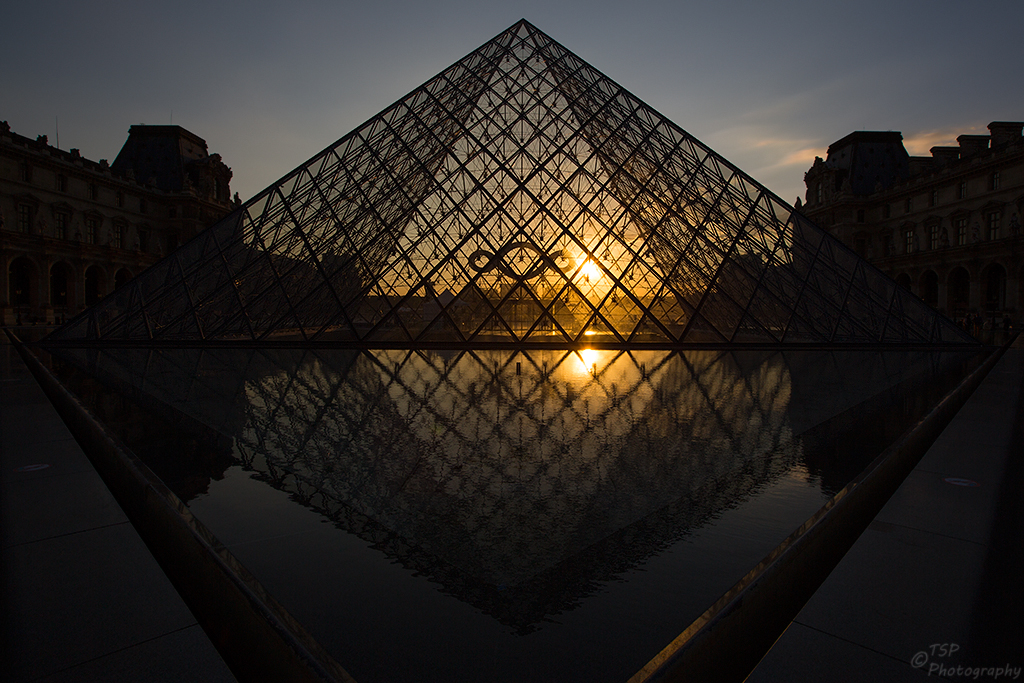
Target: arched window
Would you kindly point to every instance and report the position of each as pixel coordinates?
(121, 277)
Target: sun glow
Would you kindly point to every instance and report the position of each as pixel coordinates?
(590, 271)
(588, 360)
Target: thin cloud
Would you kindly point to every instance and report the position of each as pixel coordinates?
(770, 151)
(803, 157)
(920, 144)
(785, 176)
(772, 155)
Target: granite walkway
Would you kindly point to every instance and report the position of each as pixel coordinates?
(83, 599)
(933, 587)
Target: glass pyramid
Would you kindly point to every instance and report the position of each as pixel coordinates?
(519, 197)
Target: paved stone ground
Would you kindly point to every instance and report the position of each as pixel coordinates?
(83, 599)
(940, 569)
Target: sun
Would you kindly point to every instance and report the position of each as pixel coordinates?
(590, 271)
(588, 360)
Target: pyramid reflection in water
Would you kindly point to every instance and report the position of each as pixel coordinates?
(517, 480)
(518, 197)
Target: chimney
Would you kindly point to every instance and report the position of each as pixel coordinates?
(945, 155)
(921, 165)
(1004, 132)
(971, 145)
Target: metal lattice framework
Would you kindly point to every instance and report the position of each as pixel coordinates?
(520, 197)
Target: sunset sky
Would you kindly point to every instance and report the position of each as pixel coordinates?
(768, 85)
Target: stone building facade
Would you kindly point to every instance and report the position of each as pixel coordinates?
(72, 230)
(947, 227)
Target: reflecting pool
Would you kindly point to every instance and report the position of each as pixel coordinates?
(497, 514)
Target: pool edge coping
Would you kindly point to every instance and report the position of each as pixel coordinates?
(728, 640)
(255, 634)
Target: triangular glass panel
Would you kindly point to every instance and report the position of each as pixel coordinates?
(597, 330)
(648, 331)
(441, 329)
(545, 329)
(799, 331)
(701, 331)
(390, 329)
(751, 330)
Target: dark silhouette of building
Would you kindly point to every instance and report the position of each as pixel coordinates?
(72, 230)
(946, 227)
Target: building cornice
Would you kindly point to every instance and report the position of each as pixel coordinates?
(41, 154)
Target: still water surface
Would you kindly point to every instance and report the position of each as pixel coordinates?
(501, 515)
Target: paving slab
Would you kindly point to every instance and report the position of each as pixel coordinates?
(82, 597)
(56, 459)
(47, 507)
(91, 593)
(927, 502)
(934, 581)
(807, 655)
(182, 656)
(900, 591)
